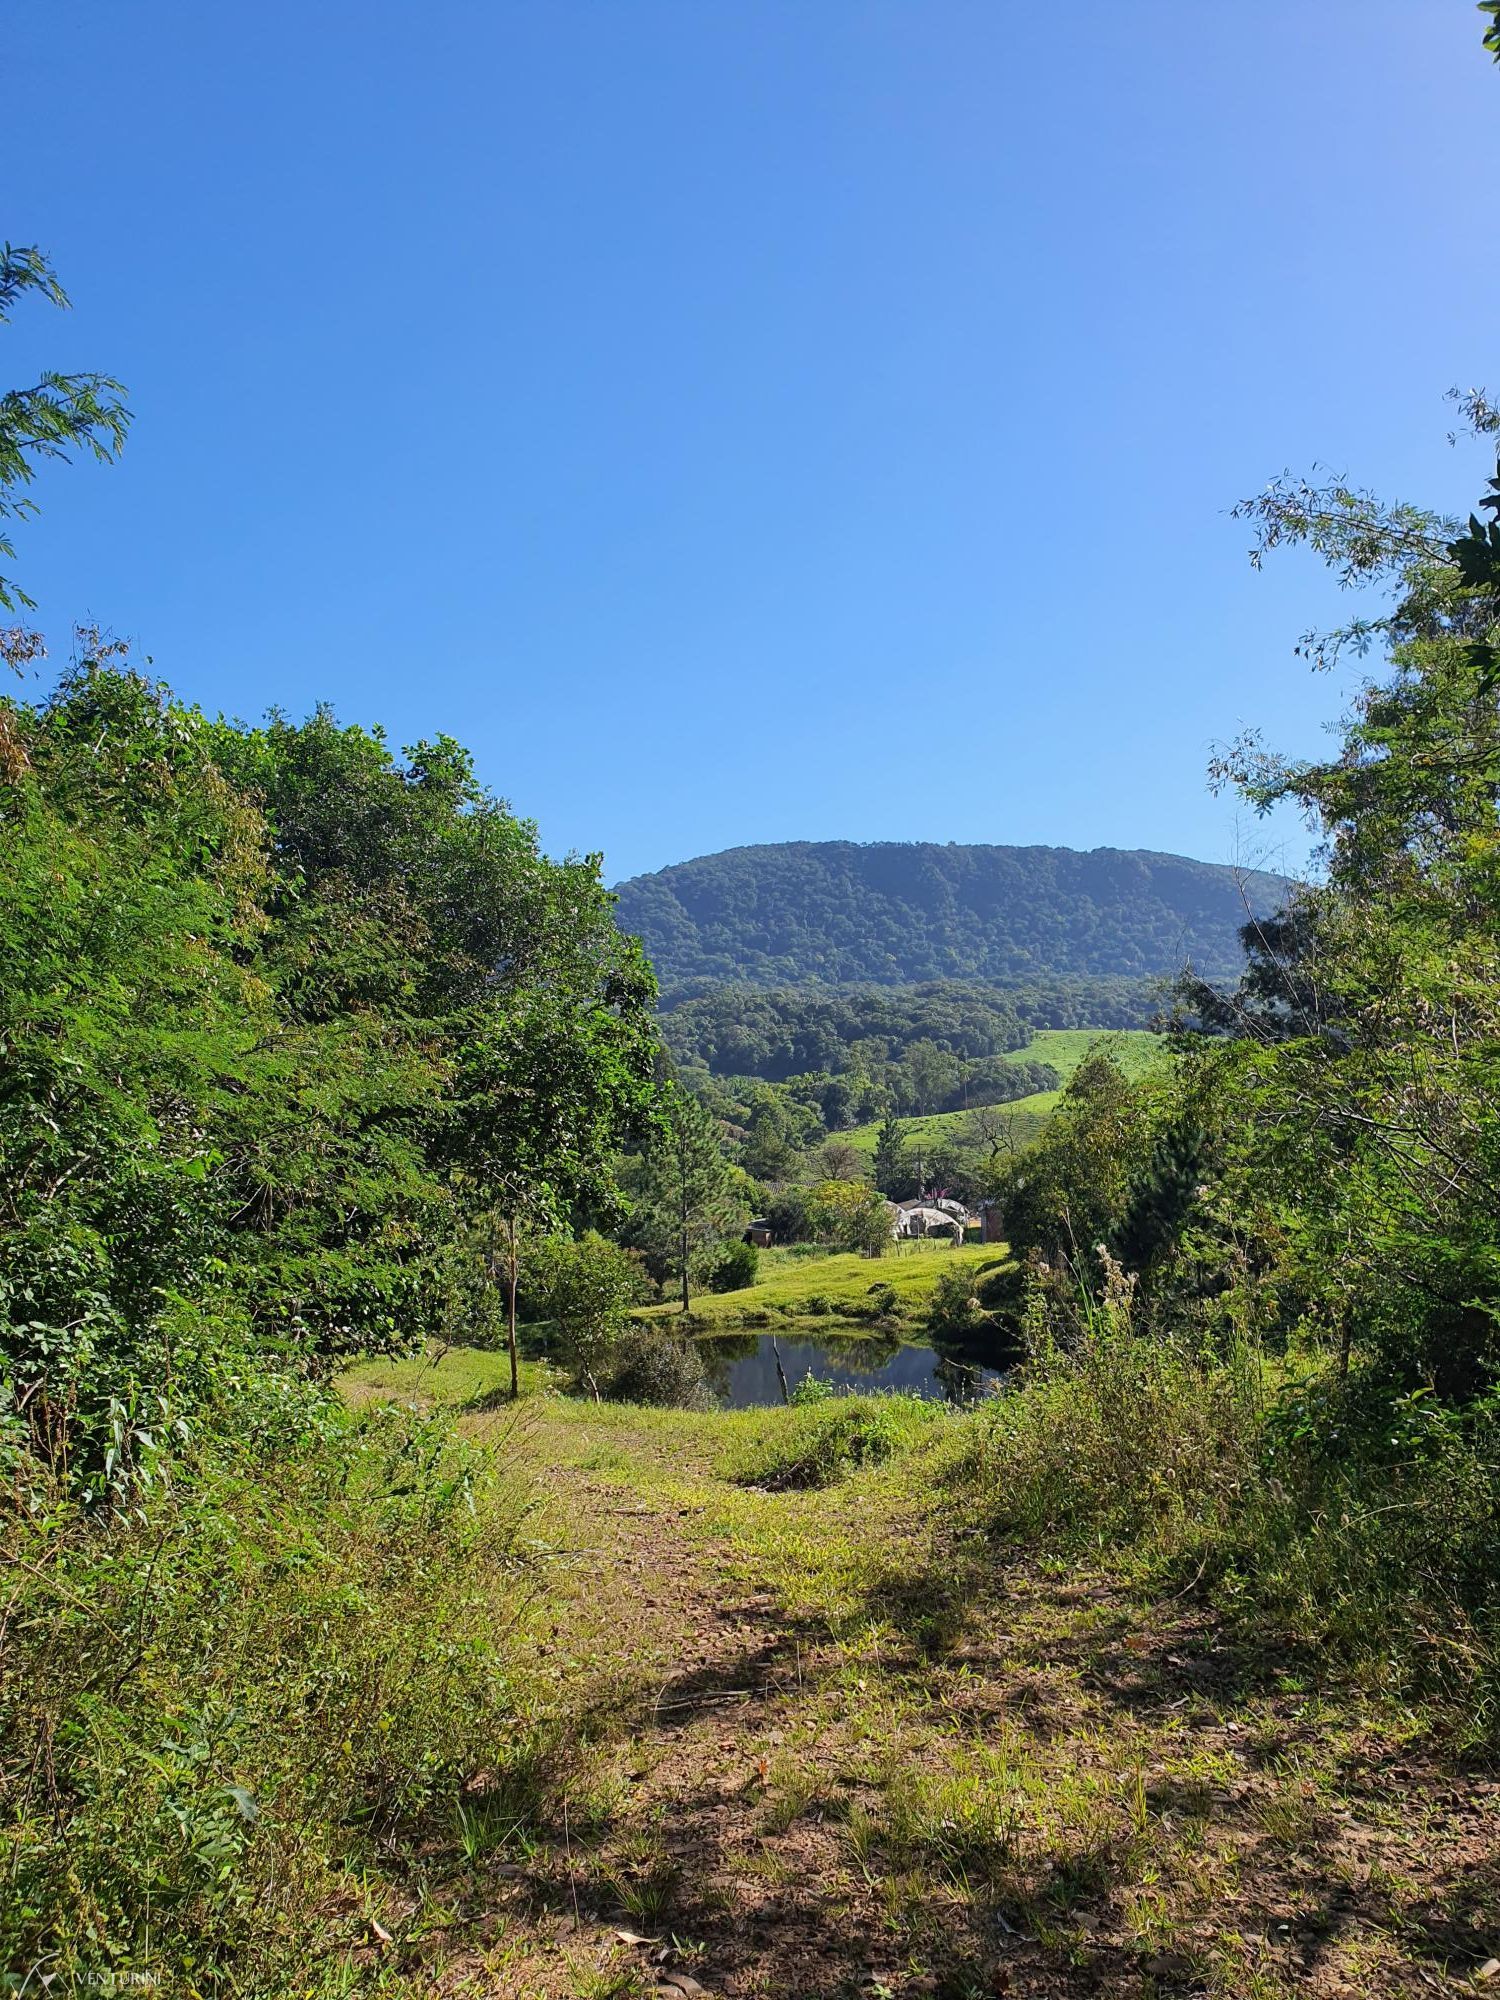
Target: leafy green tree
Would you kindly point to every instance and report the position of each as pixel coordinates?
(849, 1215)
(1164, 1193)
(56, 415)
(408, 888)
(132, 1023)
(585, 1290)
(932, 1073)
(1364, 1149)
(1068, 1193)
(770, 1153)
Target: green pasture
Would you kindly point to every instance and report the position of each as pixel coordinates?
(1135, 1049)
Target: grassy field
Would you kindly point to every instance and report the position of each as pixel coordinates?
(823, 1289)
(1135, 1049)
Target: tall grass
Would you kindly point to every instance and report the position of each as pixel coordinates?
(1326, 1515)
(825, 1436)
(227, 1722)
(1119, 1435)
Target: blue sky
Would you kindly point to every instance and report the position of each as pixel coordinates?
(752, 419)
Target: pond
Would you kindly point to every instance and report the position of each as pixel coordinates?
(742, 1367)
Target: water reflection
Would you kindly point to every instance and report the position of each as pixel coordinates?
(741, 1367)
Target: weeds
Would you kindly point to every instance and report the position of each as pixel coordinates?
(290, 1670)
(822, 1439)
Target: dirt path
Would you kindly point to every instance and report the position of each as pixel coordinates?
(973, 1781)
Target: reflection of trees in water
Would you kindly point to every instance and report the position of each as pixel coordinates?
(961, 1363)
(960, 1381)
(965, 1359)
(733, 1346)
(719, 1351)
(861, 1354)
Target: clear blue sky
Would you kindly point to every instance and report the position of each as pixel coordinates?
(752, 419)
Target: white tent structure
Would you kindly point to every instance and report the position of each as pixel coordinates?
(926, 1219)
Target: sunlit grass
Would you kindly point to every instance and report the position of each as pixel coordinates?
(1135, 1049)
(839, 1285)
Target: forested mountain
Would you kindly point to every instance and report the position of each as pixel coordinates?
(894, 912)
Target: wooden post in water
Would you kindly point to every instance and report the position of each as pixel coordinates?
(786, 1394)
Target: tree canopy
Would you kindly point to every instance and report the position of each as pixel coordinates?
(280, 1010)
(54, 416)
(892, 913)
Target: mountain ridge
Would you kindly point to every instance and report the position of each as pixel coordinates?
(894, 912)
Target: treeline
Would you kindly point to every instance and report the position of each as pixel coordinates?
(791, 1132)
(286, 1019)
(737, 1029)
(743, 1030)
(785, 1072)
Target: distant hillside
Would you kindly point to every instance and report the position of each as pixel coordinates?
(895, 912)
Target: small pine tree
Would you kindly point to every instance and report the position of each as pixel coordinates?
(692, 1203)
(892, 1172)
(1163, 1197)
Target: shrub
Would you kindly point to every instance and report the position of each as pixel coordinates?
(661, 1370)
(954, 1307)
(813, 1389)
(1113, 1429)
(736, 1269)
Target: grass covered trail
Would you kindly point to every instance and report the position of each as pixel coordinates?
(1135, 1049)
(840, 1740)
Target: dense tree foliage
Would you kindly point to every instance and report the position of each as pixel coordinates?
(1322, 1167)
(892, 913)
(281, 1013)
(744, 1030)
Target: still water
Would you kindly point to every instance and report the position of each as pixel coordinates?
(742, 1367)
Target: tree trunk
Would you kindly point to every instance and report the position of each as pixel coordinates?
(686, 1301)
(510, 1313)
